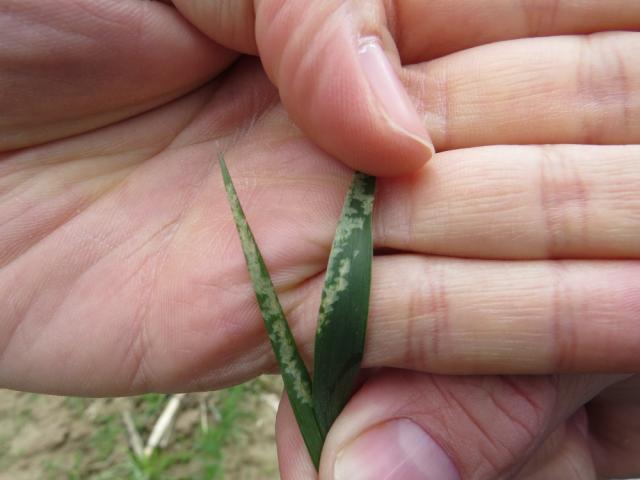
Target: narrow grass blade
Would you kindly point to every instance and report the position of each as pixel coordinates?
(294, 373)
(344, 307)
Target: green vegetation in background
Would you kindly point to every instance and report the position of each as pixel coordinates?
(199, 455)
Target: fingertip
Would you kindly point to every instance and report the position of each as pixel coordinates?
(385, 151)
(408, 154)
(391, 103)
(397, 449)
(341, 86)
(357, 110)
(338, 110)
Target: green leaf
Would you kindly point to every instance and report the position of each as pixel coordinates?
(344, 308)
(342, 320)
(294, 373)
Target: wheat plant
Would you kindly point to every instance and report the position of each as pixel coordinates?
(342, 319)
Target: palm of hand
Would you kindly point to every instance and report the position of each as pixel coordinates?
(131, 276)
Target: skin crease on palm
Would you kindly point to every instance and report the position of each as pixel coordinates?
(121, 271)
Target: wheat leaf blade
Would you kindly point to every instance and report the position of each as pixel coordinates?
(294, 373)
(344, 307)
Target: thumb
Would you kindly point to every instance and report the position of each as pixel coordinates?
(337, 69)
(407, 425)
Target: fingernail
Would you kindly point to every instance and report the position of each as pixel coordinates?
(394, 450)
(389, 91)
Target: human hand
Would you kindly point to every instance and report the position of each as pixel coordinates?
(336, 63)
(378, 131)
(467, 317)
(140, 202)
(409, 425)
(130, 278)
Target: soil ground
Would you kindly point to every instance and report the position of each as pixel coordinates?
(48, 437)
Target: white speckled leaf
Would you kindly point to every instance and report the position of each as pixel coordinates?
(344, 308)
(294, 373)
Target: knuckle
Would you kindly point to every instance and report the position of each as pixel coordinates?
(428, 319)
(564, 201)
(607, 85)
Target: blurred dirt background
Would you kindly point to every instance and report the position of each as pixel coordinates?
(218, 435)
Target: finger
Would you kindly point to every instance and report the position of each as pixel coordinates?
(429, 29)
(524, 202)
(408, 425)
(68, 67)
(580, 89)
(335, 63)
(335, 66)
(425, 29)
(469, 316)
